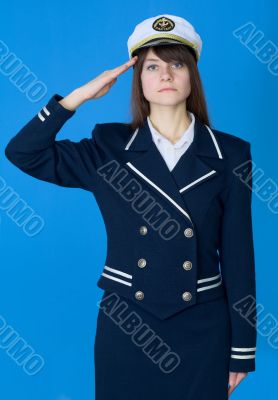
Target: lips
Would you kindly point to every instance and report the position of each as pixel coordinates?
(167, 89)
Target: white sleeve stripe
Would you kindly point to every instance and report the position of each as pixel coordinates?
(243, 349)
(41, 117)
(242, 357)
(46, 110)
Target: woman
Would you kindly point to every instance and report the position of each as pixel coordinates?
(171, 323)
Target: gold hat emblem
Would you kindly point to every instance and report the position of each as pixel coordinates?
(163, 24)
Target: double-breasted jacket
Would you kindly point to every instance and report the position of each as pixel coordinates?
(174, 239)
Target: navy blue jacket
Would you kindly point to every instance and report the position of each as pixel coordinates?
(174, 238)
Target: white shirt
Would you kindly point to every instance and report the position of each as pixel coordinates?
(172, 152)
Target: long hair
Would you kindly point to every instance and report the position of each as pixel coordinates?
(195, 103)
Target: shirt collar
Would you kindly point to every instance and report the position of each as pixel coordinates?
(187, 135)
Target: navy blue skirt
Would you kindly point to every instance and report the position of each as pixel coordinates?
(185, 357)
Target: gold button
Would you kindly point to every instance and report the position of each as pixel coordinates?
(142, 263)
(143, 230)
(188, 232)
(139, 295)
(187, 265)
(186, 296)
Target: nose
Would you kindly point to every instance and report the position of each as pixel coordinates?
(166, 74)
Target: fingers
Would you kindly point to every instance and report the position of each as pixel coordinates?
(240, 377)
(113, 82)
(234, 380)
(124, 67)
(110, 75)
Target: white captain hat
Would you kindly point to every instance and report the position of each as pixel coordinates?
(164, 29)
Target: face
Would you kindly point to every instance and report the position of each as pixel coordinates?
(157, 74)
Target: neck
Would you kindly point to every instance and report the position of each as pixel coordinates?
(171, 122)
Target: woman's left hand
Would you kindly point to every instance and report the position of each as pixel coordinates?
(234, 380)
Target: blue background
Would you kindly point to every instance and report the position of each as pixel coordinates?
(48, 291)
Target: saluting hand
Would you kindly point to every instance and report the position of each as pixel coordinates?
(234, 380)
(97, 87)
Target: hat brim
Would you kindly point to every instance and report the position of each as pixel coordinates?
(161, 42)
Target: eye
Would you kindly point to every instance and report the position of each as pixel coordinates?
(178, 63)
(152, 65)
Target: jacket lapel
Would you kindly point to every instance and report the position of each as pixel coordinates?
(146, 162)
(202, 161)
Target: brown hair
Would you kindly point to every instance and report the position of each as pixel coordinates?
(195, 102)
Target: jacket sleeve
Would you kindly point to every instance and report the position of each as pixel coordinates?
(237, 260)
(35, 151)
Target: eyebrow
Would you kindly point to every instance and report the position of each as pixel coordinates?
(152, 59)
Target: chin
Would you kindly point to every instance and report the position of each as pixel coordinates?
(167, 102)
